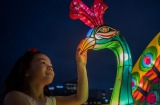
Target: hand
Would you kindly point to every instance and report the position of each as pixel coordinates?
(81, 56)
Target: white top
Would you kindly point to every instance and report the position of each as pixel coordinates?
(49, 100)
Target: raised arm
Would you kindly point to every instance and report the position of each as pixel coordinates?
(82, 86)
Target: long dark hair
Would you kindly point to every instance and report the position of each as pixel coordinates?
(16, 80)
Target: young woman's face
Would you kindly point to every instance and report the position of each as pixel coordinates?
(41, 70)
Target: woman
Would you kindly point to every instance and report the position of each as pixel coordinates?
(27, 84)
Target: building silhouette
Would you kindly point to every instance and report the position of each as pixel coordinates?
(96, 96)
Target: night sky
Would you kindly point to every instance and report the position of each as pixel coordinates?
(45, 24)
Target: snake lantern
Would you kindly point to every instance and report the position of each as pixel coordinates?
(137, 86)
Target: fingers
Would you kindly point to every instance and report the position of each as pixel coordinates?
(87, 44)
(80, 49)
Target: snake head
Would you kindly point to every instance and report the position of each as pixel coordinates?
(97, 38)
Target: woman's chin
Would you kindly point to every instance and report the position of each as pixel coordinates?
(48, 79)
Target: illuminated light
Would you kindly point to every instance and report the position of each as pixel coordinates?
(81, 5)
(140, 85)
(125, 57)
(59, 86)
(76, 8)
(152, 61)
(74, 3)
(121, 57)
(92, 14)
(51, 88)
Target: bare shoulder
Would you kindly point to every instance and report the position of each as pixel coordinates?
(12, 95)
(14, 98)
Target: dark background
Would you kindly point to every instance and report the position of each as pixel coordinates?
(45, 24)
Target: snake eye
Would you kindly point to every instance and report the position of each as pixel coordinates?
(104, 30)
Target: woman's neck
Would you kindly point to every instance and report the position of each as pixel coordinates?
(36, 91)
